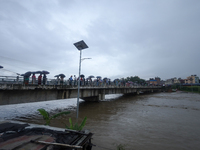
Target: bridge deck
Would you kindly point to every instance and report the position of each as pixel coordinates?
(18, 93)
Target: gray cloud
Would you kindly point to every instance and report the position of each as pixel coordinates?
(125, 38)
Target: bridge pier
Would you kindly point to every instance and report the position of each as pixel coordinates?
(102, 96)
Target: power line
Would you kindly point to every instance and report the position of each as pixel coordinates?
(22, 61)
(10, 71)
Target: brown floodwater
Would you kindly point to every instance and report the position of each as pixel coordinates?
(150, 121)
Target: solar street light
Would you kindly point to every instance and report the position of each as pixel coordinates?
(80, 46)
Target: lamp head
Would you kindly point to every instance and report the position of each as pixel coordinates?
(80, 45)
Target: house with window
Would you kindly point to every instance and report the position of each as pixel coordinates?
(193, 79)
(171, 81)
(154, 81)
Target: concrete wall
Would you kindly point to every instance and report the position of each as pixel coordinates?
(25, 96)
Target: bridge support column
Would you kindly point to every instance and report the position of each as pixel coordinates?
(63, 94)
(138, 92)
(67, 94)
(102, 96)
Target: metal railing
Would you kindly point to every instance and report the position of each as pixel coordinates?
(87, 83)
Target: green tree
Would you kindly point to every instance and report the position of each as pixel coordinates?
(135, 79)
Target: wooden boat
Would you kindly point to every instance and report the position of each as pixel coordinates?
(20, 136)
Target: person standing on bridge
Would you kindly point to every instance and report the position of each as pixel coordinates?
(44, 79)
(40, 79)
(84, 81)
(33, 78)
(61, 80)
(81, 81)
(97, 82)
(116, 83)
(58, 80)
(70, 81)
(26, 79)
(74, 80)
(107, 84)
(17, 79)
(90, 81)
(100, 82)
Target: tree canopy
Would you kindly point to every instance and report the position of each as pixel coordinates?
(135, 79)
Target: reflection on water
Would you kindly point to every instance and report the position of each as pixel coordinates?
(155, 121)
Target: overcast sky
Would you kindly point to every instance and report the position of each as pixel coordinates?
(147, 38)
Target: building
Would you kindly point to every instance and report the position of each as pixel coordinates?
(171, 81)
(182, 81)
(155, 81)
(152, 82)
(176, 81)
(162, 82)
(158, 80)
(193, 79)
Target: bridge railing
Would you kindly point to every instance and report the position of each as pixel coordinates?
(12, 80)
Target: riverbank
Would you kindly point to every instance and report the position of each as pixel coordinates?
(195, 89)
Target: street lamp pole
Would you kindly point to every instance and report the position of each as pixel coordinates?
(80, 46)
(77, 111)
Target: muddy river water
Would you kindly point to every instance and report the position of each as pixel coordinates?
(138, 122)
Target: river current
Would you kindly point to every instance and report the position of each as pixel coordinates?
(147, 121)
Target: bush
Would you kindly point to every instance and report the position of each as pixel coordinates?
(195, 89)
(48, 118)
(76, 126)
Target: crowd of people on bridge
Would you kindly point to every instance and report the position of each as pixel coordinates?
(41, 79)
(73, 80)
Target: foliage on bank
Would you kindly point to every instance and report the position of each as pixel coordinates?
(48, 118)
(76, 126)
(121, 147)
(73, 126)
(195, 89)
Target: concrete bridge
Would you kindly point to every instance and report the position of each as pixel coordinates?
(18, 93)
